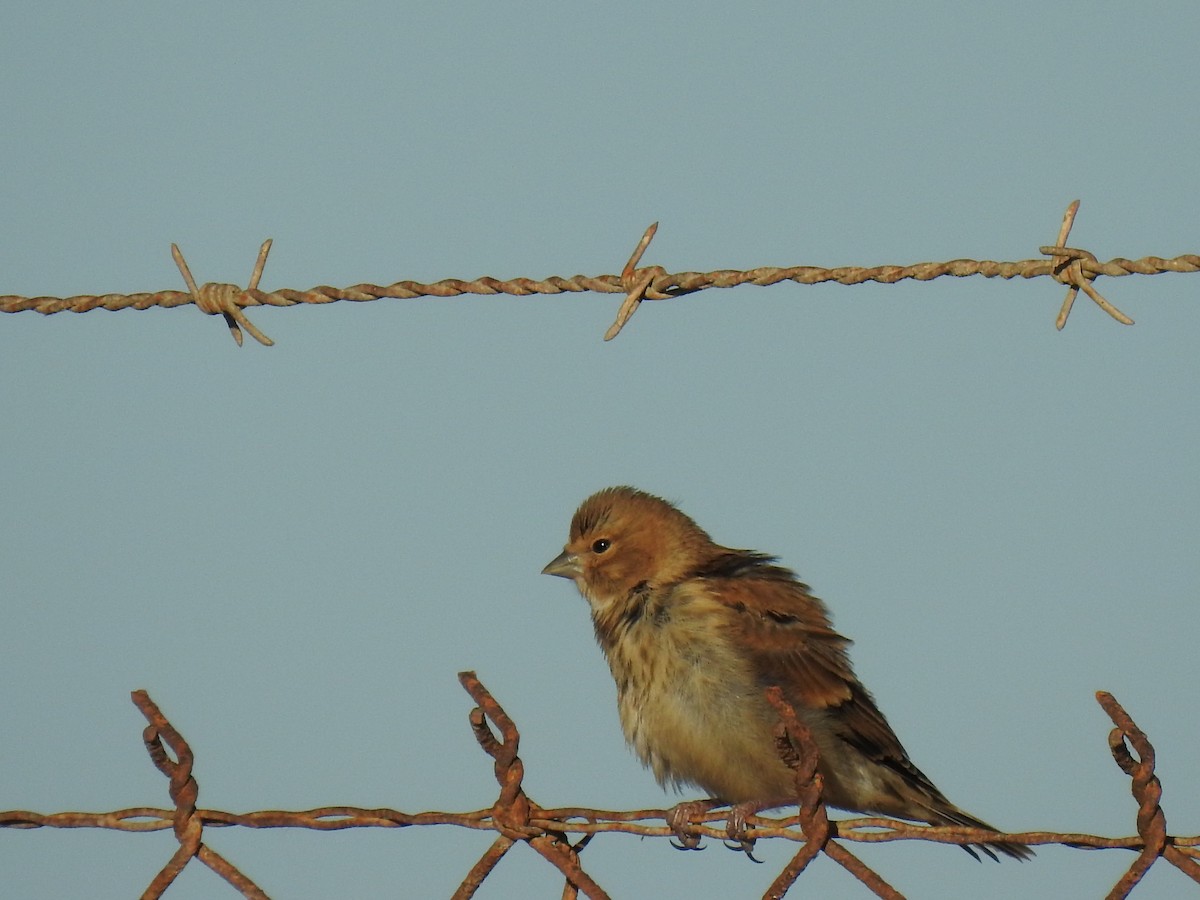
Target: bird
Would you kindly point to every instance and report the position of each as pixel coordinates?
(695, 632)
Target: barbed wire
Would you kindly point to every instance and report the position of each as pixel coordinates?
(516, 818)
(1075, 268)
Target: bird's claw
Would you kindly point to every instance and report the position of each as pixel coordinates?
(745, 845)
(679, 819)
(738, 831)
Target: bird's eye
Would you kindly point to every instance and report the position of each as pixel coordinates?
(599, 546)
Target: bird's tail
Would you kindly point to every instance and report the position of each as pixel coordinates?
(948, 814)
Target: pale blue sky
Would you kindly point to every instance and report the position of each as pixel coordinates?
(295, 549)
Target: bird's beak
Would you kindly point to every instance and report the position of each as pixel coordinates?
(565, 565)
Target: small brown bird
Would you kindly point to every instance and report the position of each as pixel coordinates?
(694, 632)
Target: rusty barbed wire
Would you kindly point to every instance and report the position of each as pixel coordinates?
(518, 819)
(1075, 268)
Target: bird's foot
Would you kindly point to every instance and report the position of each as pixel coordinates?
(679, 818)
(739, 831)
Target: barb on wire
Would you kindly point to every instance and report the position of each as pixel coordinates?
(518, 819)
(223, 298)
(1077, 269)
(1068, 269)
(638, 284)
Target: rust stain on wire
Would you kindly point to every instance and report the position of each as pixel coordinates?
(517, 819)
(1077, 269)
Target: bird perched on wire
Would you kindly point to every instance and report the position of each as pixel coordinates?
(695, 632)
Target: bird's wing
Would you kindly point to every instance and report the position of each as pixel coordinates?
(787, 635)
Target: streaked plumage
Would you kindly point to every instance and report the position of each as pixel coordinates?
(693, 632)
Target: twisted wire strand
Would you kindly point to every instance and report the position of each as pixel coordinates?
(1075, 268)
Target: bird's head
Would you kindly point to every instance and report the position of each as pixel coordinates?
(622, 538)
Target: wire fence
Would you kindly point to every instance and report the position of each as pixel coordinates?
(517, 819)
(1075, 268)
